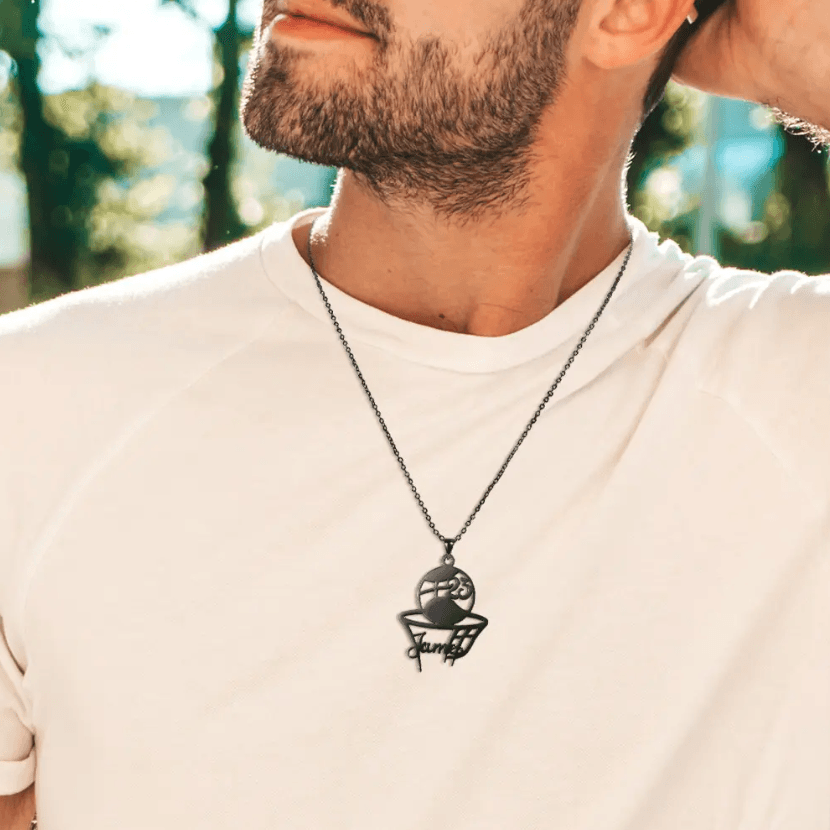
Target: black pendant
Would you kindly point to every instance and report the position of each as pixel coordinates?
(445, 597)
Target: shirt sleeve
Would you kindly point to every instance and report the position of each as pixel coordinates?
(17, 746)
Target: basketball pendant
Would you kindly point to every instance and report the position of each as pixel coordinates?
(445, 597)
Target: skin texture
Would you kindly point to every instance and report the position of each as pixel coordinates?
(773, 52)
(18, 810)
(481, 144)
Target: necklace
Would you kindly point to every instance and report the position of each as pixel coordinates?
(445, 595)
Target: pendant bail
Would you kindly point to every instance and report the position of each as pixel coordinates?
(448, 558)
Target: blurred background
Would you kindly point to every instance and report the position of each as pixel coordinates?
(121, 151)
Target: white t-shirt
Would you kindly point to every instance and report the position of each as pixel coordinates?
(206, 541)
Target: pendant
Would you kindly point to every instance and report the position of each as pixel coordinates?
(445, 597)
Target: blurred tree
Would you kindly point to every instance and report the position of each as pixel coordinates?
(119, 211)
(61, 171)
(221, 222)
(670, 129)
(665, 133)
(124, 234)
(795, 232)
(11, 129)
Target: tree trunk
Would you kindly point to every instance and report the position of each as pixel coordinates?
(221, 221)
(52, 260)
(803, 180)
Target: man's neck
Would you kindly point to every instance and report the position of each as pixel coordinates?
(490, 278)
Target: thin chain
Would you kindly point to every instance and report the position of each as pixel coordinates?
(527, 428)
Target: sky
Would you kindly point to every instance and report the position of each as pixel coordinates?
(153, 49)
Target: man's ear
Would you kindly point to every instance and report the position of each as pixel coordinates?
(622, 33)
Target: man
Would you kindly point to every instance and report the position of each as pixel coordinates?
(234, 593)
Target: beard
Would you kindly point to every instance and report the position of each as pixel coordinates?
(414, 125)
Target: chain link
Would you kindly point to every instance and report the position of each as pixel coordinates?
(527, 428)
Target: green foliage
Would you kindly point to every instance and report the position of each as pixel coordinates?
(103, 170)
(795, 231)
(669, 130)
(123, 233)
(69, 147)
(68, 169)
(113, 202)
(18, 27)
(11, 128)
(655, 192)
(61, 169)
(221, 221)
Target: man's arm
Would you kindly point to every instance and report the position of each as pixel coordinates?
(773, 52)
(17, 811)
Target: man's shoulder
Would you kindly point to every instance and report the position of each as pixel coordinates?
(91, 361)
(153, 329)
(140, 302)
(82, 373)
(757, 287)
(785, 313)
(769, 361)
